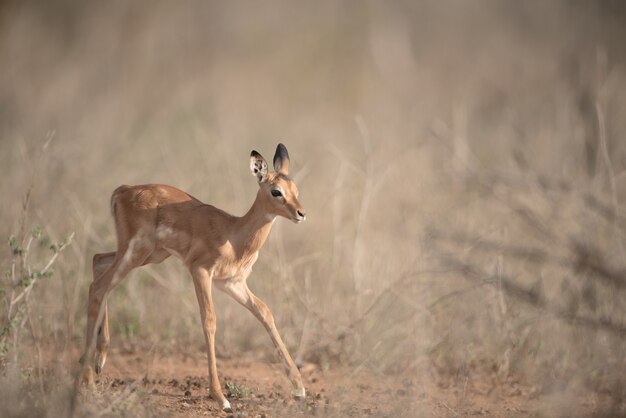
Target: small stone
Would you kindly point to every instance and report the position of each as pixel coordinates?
(187, 393)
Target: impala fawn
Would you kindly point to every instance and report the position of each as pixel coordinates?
(155, 221)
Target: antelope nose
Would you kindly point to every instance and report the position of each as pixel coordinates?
(301, 213)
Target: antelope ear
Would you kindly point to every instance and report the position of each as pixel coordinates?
(281, 160)
(258, 166)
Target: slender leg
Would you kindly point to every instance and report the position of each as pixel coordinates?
(97, 293)
(133, 256)
(202, 283)
(101, 262)
(241, 293)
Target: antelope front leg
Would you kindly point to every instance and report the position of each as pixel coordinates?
(202, 282)
(241, 293)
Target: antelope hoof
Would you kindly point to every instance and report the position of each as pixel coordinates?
(226, 407)
(298, 394)
(100, 360)
(87, 378)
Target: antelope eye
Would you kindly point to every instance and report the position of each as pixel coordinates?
(276, 193)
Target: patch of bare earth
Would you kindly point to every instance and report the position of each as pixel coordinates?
(176, 385)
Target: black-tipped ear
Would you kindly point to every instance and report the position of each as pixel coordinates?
(258, 166)
(281, 160)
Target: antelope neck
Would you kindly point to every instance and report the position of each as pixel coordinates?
(255, 225)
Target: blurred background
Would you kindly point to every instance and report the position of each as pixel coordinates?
(462, 164)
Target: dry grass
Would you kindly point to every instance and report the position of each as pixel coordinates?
(463, 168)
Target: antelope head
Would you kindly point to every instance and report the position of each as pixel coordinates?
(277, 189)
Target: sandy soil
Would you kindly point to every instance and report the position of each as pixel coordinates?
(176, 385)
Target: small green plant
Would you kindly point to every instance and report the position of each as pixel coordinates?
(236, 391)
(21, 278)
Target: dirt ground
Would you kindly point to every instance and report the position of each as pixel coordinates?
(176, 385)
